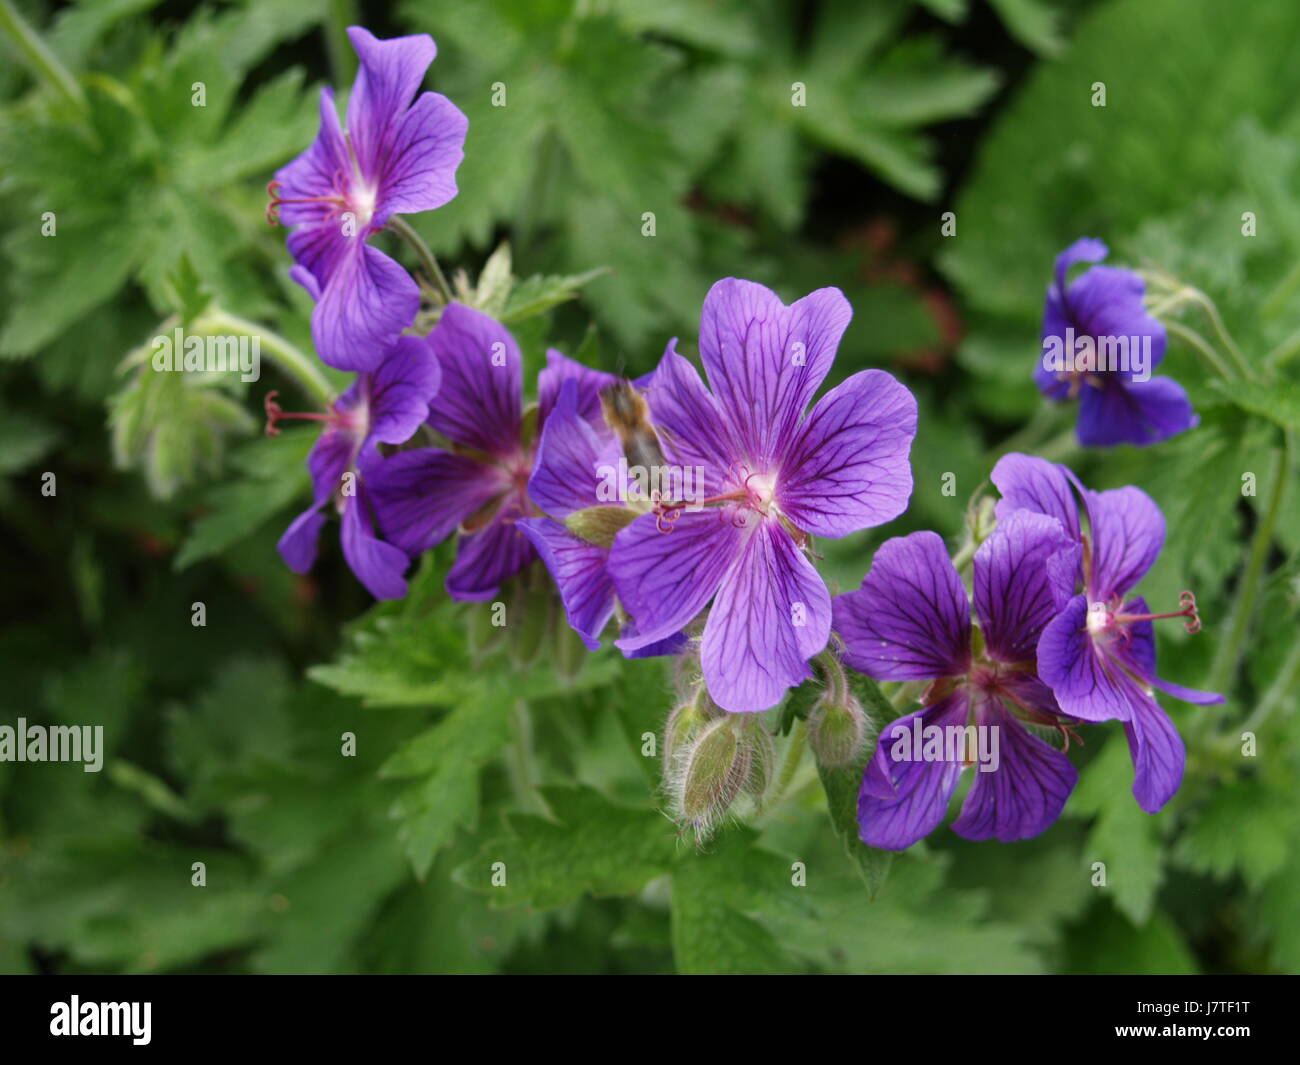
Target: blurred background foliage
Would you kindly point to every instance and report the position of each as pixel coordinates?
(224, 741)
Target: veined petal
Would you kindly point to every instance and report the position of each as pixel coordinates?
(421, 496)
(486, 558)
(691, 425)
(910, 619)
(1159, 756)
(379, 566)
(366, 302)
(1086, 684)
(1127, 532)
(417, 169)
(1017, 592)
(315, 175)
(389, 75)
(1024, 795)
(579, 571)
(479, 402)
(765, 361)
(771, 615)
(560, 369)
(664, 579)
(1030, 483)
(573, 462)
(401, 390)
(1107, 303)
(848, 468)
(904, 796)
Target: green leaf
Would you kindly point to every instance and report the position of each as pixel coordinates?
(842, 785)
(592, 846)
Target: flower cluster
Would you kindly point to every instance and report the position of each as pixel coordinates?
(682, 511)
(1058, 640)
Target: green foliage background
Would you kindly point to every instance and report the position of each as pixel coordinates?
(224, 741)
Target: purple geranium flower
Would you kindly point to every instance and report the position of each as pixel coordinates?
(1098, 655)
(772, 475)
(1100, 346)
(576, 467)
(481, 481)
(384, 406)
(396, 157)
(911, 621)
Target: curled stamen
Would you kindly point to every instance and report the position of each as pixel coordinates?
(1187, 600)
(276, 413)
(277, 201)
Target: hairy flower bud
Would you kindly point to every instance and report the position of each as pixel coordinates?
(763, 765)
(836, 729)
(712, 771)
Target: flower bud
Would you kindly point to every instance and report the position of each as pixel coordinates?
(763, 766)
(713, 770)
(836, 729)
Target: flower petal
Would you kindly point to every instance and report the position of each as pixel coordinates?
(904, 796)
(1024, 795)
(417, 169)
(1017, 591)
(314, 175)
(690, 422)
(1085, 683)
(367, 299)
(1107, 303)
(478, 405)
(1030, 483)
(486, 558)
(1127, 531)
(401, 390)
(910, 619)
(771, 615)
(388, 77)
(848, 468)
(379, 566)
(765, 361)
(664, 579)
(1139, 413)
(421, 496)
(1083, 250)
(579, 571)
(589, 383)
(1159, 756)
(573, 462)
(298, 544)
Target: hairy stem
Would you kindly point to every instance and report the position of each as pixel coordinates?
(1230, 650)
(403, 229)
(301, 367)
(38, 56)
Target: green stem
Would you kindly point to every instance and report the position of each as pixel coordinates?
(1221, 330)
(793, 756)
(1284, 352)
(43, 62)
(1284, 684)
(1202, 346)
(339, 15)
(288, 358)
(403, 229)
(523, 770)
(1229, 651)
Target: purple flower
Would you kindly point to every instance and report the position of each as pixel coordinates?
(480, 482)
(1098, 655)
(577, 465)
(911, 621)
(772, 476)
(396, 157)
(1100, 346)
(384, 406)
